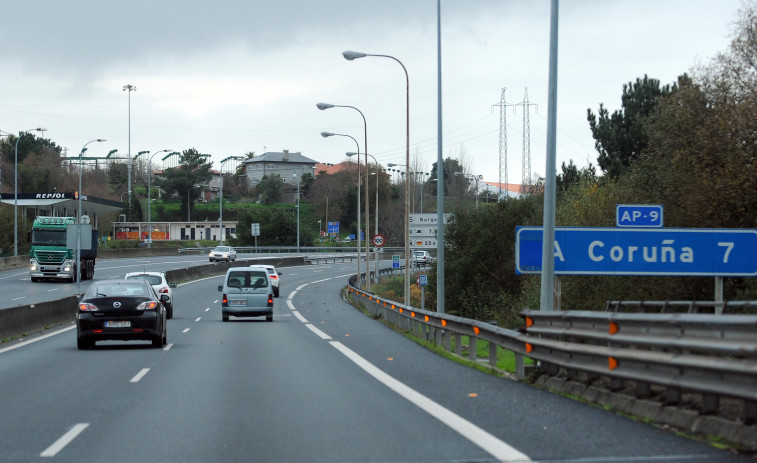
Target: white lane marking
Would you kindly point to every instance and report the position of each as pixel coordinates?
(18, 298)
(299, 316)
(321, 281)
(198, 319)
(168, 347)
(301, 286)
(489, 443)
(207, 310)
(320, 333)
(139, 375)
(26, 343)
(64, 440)
(185, 330)
(52, 290)
(290, 305)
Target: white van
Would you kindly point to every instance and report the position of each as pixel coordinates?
(247, 292)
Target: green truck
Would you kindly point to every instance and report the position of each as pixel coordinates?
(54, 241)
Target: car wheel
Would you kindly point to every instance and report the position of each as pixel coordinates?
(165, 337)
(224, 317)
(35, 279)
(169, 312)
(83, 343)
(157, 341)
(269, 317)
(276, 291)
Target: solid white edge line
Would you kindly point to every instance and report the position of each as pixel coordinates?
(489, 443)
(318, 332)
(64, 440)
(26, 343)
(301, 286)
(290, 305)
(139, 375)
(299, 316)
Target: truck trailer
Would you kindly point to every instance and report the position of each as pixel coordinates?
(54, 241)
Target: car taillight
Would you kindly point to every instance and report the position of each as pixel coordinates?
(86, 307)
(224, 300)
(147, 305)
(163, 290)
(270, 300)
(274, 277)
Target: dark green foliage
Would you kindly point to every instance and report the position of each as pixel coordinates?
(271, 189)
(620, 137)
(480, 258)
(194, 169)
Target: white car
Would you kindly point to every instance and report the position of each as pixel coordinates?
(422, 258)
(273, 275)
(225, 253)
(159, 283)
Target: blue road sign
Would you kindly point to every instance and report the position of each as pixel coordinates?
(333, 228)
(638, 215)
(395, 261)
(620, 251)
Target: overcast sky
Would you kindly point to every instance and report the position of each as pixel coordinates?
(229, 77)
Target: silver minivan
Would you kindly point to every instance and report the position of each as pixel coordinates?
(247, 292)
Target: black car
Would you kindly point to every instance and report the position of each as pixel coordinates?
(122, 310)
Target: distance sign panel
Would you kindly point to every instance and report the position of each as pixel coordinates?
(619, 251)
(638, 215)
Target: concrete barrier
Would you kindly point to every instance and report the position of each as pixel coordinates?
(15, 321)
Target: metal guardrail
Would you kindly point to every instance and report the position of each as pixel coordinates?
(715, 355)
(679, 306)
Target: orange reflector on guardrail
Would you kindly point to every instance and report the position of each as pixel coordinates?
(394, 307)
(400, 310)
(614, 328)
(612, 363)
(529, 322)
(444, 323)
(476, 330)
(529, 348)
(412, 314)
(425, 318)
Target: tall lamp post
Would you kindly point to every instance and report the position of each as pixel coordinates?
(299, 180)
(149, 200)
(15, 190)
(221, 229)
(329, 134)
(2, 133)
(78, 221)
(375, 229)
(352, 55)
(324, 106)
(129, 88)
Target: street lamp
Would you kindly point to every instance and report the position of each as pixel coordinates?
(329, 134)
(294, 175)
(77, 264)
(375, 230)
(352, 55)
(129, 88)
(471, 177)
(220, 219)
(15, 190)
(149, 201)
(1, 170)
(324, 106)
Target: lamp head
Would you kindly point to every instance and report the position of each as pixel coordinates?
(351, 55)
(327, 134)
(323, 106)
(391, 164)
(350, 154)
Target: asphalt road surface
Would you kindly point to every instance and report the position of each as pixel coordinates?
(322, 383)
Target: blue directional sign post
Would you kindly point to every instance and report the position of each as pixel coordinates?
(644, 251)
(333, 228)
(638, 215)
(396, 261)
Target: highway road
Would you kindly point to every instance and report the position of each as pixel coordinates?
(322, 383)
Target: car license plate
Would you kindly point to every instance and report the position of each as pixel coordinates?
(117, 324)
(237, 302)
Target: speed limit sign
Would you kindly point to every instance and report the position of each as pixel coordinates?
(378, 241)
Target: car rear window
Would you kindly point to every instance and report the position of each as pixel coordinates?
(254, 279)
(152, 279)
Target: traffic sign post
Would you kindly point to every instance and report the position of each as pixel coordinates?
(378, 241)
(623, 251)
(423, 228)
(422, 281)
